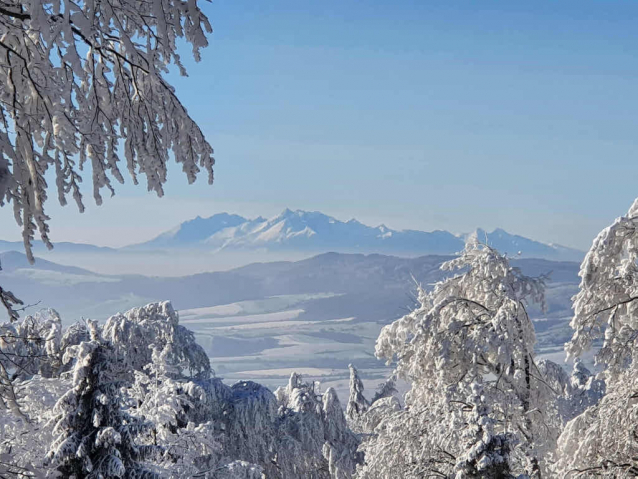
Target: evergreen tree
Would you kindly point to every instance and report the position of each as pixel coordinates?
(486, 454)
(95, 438)
(357, 403)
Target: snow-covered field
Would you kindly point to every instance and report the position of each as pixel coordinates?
(270, 343)
(265, 320)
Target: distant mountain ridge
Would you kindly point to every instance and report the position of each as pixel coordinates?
(371, 287)
(311, 233)
(11, 261)
(315, 232)
(60, 247)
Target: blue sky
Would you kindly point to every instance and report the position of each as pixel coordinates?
(417, 114)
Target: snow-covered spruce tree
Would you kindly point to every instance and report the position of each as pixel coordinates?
(357, 403)
(340, 445)
(386, 389)
(603, 441)
(95, 437)
(179, 409)
(82, 81)
(471, 327)
(486, 454)
(312, 439)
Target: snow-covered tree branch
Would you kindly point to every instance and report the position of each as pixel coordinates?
(9, 302)
(470, 338)
(81, 82)
(606, 306)
(603, 440)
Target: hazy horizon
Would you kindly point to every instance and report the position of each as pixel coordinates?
(420, 116)
(123, 243)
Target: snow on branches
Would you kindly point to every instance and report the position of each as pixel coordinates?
(486, 453)
(603, 440)
(95, 437)
(606, 305)
(137, 332)
(471, 328)
(135, 398)
(313, 437)
(81, 82)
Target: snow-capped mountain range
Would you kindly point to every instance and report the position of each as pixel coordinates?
(316, 232)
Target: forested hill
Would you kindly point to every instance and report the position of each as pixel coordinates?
(371, 287)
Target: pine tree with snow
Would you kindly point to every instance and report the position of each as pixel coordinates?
(95, 437)
(486, 454)
(357, 403)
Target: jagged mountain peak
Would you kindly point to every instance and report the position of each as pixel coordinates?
(316, 232)
(193, 231)
(302, 215)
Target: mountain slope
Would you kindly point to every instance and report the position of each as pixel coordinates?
(372, 287)
(315, 232)
(60, 247)
(11, 261)
(193, 231)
